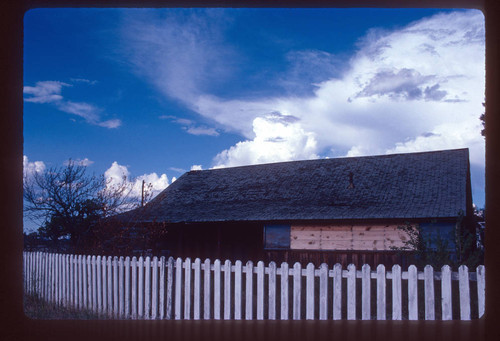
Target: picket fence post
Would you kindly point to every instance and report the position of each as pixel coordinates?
(480, 271)
(217, 288)
(237, 289)
(178, 284)
(197, 289)
(365, 292)
(127, 287)
(147, 287)
(337, 292)
(227, 289)
(412, 293)
(144, 288)
(154, 288)
(260, 290)
(396, 293)
(249, 291)
(446, 293)
(323, 291)
(297, 288)
(381, 294)
(170, 288)
(187, 288)
(351, 292)
(206, 289)
(310, 291)
(284, 291)
(161, 299)
(429, 292)
(463, 283)
(272, 291)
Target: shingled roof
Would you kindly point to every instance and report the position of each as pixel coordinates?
(401, 186)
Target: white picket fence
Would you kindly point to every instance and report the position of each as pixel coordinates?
(157, 288)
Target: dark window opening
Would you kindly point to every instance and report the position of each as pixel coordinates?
(277, 236)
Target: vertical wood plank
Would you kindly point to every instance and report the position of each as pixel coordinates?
(70, 278)
(206, 289)
(463, 284)
(310, 291)
(46, 278)
(94, 285)
(197, 289)
(249, 290)
(133, 294)
(284, 291)
(170, 289)
(75, 280)
(187, 289)
(297, 290)
(217, 288)
(115, 287)
(337, 291)
(121, 288)
(52, 274)
(227, 290)
(67, 280)
(127, 287)
(38, 270)
(365, 292)
(99, 283)
(480, 271)
(53, 278)
(89, 281)
(109, 285)
(85, 276)
(140, 288)
(260, 290)
(381, 292)
(323, 291)
(147, 287)
(446, 307)
(429, 292)
(351, 292)
(62, 278)
(104, 271)
(237, 289)
(178, 288)
(396, 293)
(30, 272)
(272, 291)
(412, 293)
(24, 272)
(154, 289)
(54, 282)
(161, 301)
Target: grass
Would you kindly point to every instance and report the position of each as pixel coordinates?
(36, 308)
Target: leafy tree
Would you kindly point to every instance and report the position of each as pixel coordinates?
(435, 250)
(70, 202)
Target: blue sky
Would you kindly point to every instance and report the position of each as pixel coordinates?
(152, 93)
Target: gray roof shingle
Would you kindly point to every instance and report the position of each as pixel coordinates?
(412, 185)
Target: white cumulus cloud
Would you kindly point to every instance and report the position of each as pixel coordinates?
(116, 173)
(415, 88)
(30, 168)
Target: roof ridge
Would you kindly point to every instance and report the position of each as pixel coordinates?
(330, 158)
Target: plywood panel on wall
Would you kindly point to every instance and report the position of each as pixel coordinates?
(346, 237)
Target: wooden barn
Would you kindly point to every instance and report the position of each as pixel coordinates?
(344, 210)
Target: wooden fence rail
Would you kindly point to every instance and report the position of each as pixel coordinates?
(159, 288)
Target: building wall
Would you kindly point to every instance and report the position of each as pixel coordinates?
(373, 237)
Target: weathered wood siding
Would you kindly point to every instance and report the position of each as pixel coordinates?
(347, 237)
